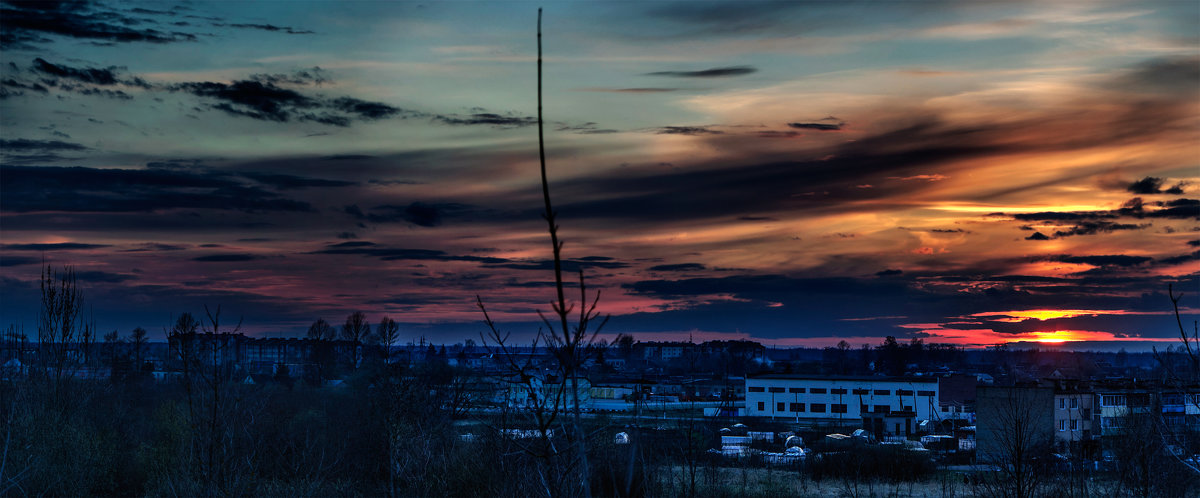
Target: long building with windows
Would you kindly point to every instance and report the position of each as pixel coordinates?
(839, 399)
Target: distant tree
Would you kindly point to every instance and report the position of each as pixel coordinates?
(356, 327)
(891, 357)
(624, 343)
(321, 330)
(916, 351)
(388, 334)
(138, 339)
(355, 330)
(110, 348)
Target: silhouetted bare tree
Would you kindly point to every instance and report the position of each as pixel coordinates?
(59, 329)
(356, 330)
(387, 333)
(321, 330)
(138, 339)
(570, 337)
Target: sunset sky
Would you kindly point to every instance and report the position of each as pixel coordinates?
(795, 173)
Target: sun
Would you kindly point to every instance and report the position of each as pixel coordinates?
(1054, 337)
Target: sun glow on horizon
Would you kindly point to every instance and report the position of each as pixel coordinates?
(1044, 314)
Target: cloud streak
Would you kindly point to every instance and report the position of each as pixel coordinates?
(716, 72)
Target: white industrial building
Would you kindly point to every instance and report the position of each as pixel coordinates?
(839, 398)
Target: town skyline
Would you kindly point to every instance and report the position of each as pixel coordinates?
(789, 173)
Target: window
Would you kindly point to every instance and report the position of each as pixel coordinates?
(779, 406)
(797, 407)
(817, 390)
(756, 389)
(882, 392)
(1062, 403)
(904, 392)
(796, 390)
(762, 407)
(861, 391)
(817, 407)
(908, 409)
(864, 409)
(1112, 400)
(1074, 402)
(945, 408)
(882, 409)
(925, 393)
(837, 408)
(775, 389)
(1087, 413)
(1062, 425)
(1074, 425)
(837, 391)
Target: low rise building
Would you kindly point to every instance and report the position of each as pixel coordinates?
(844, 399)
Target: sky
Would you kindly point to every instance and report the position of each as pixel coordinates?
(796, 173)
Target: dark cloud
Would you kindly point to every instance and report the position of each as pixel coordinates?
(372, 249)
(34, 189)
(253, 99)
(1178, 208)
(764, 183)
(60, 246)
(96, 76)
(1182, 258)
(1093, 222)
(6, 260)
(588, 128)
(678, 267)
(1106, 260)
(418, 213)
(568, 265)
(364, 109)
(1095, 227)
(1153, 185)
(27, 23)
(103, 277)
(1037, 236)
(12, 83)
(889, 273)
(1162, 75)
(156, 246)
(23, 144)
(347, 157)
(270, 27)
(99, 92)
(826, 124)
(716, 72)
(777, 134)
(1061, 216)
(1194, 243)
(264, 100)
(282, 182)
(686, 130)
(227, 258)
(487, 118)
(311, 76)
